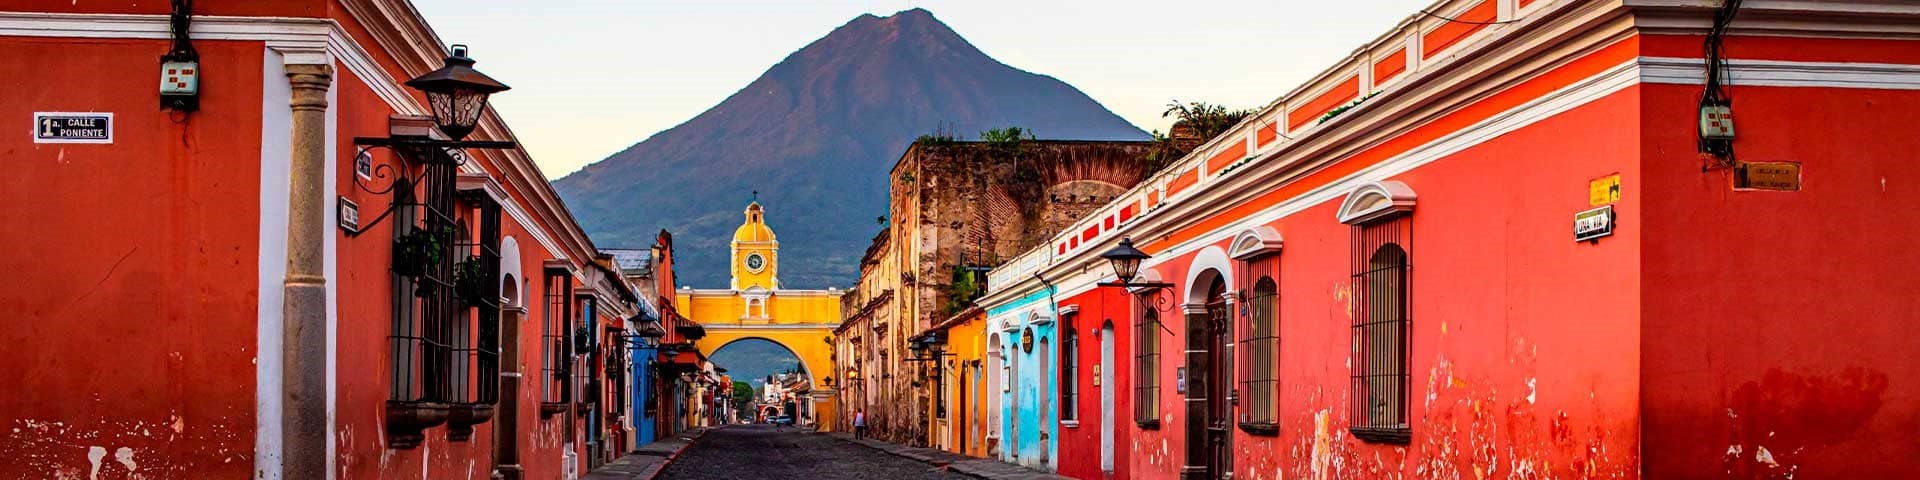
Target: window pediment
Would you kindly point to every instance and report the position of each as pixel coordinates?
(1255, 242)
(1376, 201)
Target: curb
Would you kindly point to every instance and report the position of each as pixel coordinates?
(902, 453)
(654, 473)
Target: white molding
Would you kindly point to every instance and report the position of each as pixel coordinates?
(1254, 242)
(1777, 73)
(276, 130)
(1373, 201)
(1210, 258)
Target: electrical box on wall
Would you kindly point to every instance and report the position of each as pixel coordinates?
(1716, 122)
(180, 78)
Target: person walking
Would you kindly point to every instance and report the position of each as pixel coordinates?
(860, 424)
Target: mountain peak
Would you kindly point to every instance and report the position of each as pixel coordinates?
(816, 133)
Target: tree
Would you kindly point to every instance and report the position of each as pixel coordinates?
(742, 396)
(1201, 121)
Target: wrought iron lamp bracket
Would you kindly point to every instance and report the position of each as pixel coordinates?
(1156, 296)
(411, 154)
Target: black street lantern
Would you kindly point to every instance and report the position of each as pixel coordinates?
(1125, 260)
(457, 93)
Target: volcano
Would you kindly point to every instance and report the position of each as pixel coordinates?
(815, 136)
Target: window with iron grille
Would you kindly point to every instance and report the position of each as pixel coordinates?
(427, 317)
(1146, 369)
(1070, 369)
(556, 352)
(1260, 337)
(482, 352)
(585, 353)
(1381, 266)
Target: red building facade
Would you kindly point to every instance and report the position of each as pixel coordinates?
(1378, 275)
(198, 309)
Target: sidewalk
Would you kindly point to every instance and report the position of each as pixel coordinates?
(647, 461)
(978, 467)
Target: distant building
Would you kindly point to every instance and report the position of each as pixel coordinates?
(957, 208)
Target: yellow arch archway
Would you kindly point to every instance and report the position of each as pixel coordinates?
(807, 343)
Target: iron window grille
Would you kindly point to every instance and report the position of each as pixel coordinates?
(1146, 369)
(586, 354)
(1070, 370)
(1260, 334)
(1381, 324)
(475, 329)
(556, 351)
(428, 373)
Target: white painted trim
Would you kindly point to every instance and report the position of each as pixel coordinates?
(276, 130)
(1376, 200)
(331, 270)
(1210, 258)
(1254, 242)
(1776, 73)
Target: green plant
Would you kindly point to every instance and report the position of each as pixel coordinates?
(470, 282)
(418, 249)
(1343, 108)
(936, 140)
(962, 291)
(1206, 119)
(906, 178)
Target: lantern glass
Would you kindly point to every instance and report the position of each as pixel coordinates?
(457, 111)
(456, 93)
(1125, 260)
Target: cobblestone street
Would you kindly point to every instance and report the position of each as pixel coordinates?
(759, 452)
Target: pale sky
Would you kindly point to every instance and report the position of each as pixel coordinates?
(591, 77)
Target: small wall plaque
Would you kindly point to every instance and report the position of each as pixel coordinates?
(1774, 176)
(72, 127)
(349, 214)
(1604, 190)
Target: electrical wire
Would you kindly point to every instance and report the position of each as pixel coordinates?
(1715, 93)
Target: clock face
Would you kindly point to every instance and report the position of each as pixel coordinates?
(755, 262)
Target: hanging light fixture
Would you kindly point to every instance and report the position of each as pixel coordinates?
(1125, 260)
(457, 93)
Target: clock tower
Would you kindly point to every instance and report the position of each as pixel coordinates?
(756, 254)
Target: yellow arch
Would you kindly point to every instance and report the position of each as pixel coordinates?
(808, 343)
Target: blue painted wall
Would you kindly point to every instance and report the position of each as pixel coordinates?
(642, 393)
(1029, 432)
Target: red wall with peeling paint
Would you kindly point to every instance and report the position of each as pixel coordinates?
(1523, 354)
(131, 312)
(1784, 321)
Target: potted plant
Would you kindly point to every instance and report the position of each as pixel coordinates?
(414, 251)
(470, 282)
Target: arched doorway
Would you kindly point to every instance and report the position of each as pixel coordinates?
(1209, 338)
(1106, 367)
(996, 380)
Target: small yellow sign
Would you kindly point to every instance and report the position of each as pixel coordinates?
(1776, 176)
(1604, 190)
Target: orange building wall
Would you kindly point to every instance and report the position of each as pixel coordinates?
(131, 319)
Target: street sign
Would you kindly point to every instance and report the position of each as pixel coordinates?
(1593, 224)
(1775, 176)
(72, 127)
